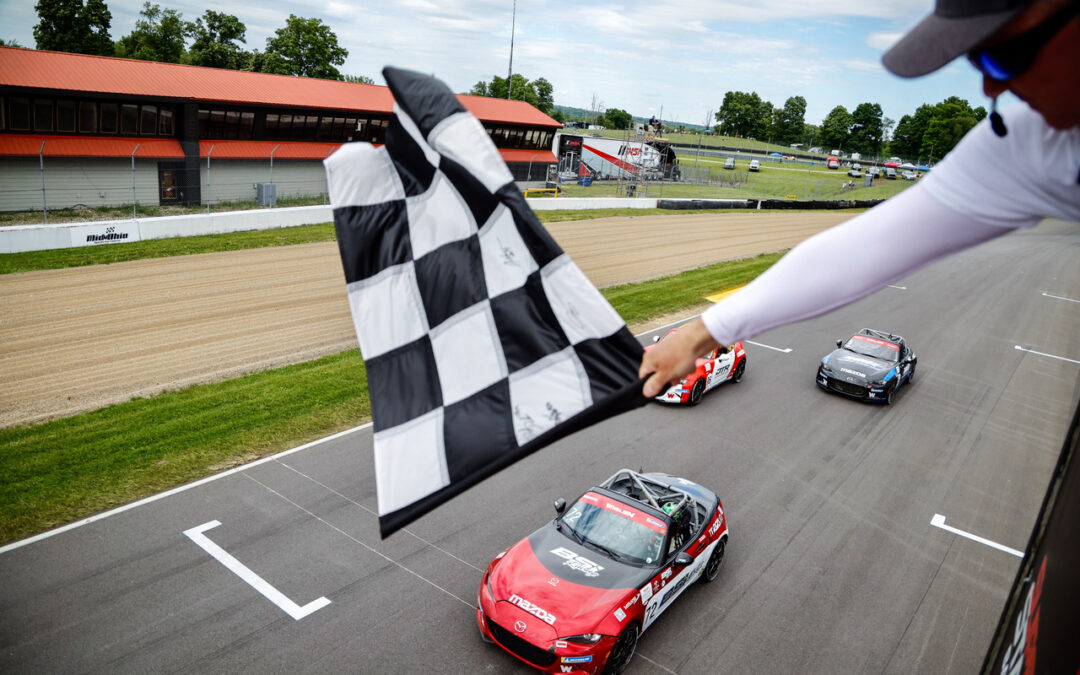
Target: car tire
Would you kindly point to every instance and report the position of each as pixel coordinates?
(623, 651)
(737, 377)
(889, 395)
(911, 375)
(716, 561)
(697, 392)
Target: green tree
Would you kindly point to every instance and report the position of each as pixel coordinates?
(951, 120)
(835, 128)
(214, 41)
(740, 114)
(617, 119)
(767, 122)
(480, 89)
(72, 26)
(792, 121)
(158, 36)
(545, 95)
(304, 47)
(538, 92)
(866, 129)
(811, 135)
(10, 43)
(358, 79)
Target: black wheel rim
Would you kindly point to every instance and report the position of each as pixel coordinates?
(717, 559)
(739, 371)
(698, 390)
(623, 651)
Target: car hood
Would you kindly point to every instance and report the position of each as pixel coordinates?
(853, 367)
(579, 586)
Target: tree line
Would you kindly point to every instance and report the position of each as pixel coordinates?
(930, 132)
(303, 46)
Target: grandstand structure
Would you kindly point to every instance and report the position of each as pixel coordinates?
(100, 131)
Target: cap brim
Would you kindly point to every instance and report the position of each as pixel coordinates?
(936, 41)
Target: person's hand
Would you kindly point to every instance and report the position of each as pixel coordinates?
(674, 356)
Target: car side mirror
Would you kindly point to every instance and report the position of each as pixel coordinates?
(839, 343)
(683, 559)
(560, 505)
(655, 339)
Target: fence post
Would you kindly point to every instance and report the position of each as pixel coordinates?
(208, 177)
(41, 163)
(133, 198)
(273, 200)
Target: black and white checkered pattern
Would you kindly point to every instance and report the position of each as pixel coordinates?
(483, 341)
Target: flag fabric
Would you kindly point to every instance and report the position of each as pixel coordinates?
(482, 340)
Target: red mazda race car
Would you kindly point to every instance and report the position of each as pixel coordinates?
(713, 369)
(575, 596)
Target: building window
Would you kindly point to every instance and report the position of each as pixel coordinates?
(88, 123)
(311, 126)
(108, 118)
(217, 124)
(232, 124)
(148, 125)
(129, 118)
(271, 125)
(43, 114)
(19, 114)
(165, 122)
(247, 125)
(3, 109)
(65, 116)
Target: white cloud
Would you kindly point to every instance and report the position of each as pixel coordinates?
(883, 41)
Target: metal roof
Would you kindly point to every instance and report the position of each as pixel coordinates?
(148, 79)
(29, 145)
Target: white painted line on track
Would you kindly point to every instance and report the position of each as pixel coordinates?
(1032, 351)
(1058, 297)
(241, 570)
(899, 288)
(168, 493)
(785, 351)
(939, 521)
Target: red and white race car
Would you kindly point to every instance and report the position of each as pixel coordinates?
(574, 596)
(715, 368)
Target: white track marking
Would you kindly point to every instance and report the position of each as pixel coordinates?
(785, 351)
(899, 288)
(168, 493)
(939, 521)
(1058, 297)
(241, 570)
(1032, 351)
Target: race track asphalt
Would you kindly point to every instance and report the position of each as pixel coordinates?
(833, 565)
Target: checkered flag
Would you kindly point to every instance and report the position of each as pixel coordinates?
(483, 341)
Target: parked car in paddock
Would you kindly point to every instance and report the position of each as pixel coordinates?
(713, 369)
(832, 163)
(575, 595)
(855, 173)
(870, 366)
(890, 173)
(909, 175)
(755, 165)
(729, 163)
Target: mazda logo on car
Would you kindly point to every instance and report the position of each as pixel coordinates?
(520, 626)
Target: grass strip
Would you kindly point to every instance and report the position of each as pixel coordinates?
(83, 256)
(62, 470)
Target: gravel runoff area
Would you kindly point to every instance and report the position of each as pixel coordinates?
(77, 339)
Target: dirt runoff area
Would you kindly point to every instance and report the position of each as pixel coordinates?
(78, 339)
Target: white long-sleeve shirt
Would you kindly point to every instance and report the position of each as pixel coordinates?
(986, 187)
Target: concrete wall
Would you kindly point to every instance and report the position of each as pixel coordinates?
(232, 180)
(91, 182)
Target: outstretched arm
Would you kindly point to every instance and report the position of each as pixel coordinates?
(826, 271)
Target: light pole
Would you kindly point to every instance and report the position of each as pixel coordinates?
(510, 69)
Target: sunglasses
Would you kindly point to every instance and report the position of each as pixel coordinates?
(1013, 57)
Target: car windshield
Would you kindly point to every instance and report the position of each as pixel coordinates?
(873, 347)
(626, 533)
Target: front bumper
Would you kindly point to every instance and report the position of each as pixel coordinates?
(676, 394)
(863, 392)
(559, 656)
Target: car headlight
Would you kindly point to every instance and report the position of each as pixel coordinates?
(586, 639)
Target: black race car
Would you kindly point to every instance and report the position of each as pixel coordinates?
(871, 366)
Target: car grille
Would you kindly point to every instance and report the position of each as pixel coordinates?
(522, 648)
(846, 387)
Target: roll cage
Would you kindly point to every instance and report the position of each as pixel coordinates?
(687, 515)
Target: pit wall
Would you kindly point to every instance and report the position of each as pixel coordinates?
(21, 238)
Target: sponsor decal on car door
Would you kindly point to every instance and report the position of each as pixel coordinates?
(660, 600)
(720, 369)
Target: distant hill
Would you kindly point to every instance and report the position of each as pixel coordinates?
(571, 112)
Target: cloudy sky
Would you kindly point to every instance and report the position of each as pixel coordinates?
(676, 56)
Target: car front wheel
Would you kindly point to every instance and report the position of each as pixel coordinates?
(716, 561)
(697, 392)
(622, 652)
(737, 377)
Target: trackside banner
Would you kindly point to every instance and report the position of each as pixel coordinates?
(1039, 625)
(112, 233)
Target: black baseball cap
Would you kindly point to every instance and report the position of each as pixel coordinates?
(953, 29)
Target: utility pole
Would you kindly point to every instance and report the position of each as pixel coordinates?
(510, 69)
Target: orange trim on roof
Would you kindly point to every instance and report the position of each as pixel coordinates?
(148, 79)
(27, 145)
(534, 156)
(262, 149)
